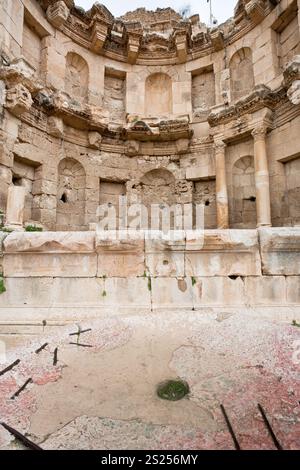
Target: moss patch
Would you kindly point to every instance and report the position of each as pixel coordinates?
(173, 390)
(2, 286)
(33, 228)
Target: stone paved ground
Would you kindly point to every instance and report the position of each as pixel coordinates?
(103, 397)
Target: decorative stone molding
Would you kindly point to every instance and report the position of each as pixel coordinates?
(95, 140)
(293, 92)
(217, 39)
(162, 130)
(181, 46)
(56, 126)
(292, 80)
(18, 100)
(21, 72)
(255, 11)
(135, 34)
(99, 35)
(57, 14)
(259, 133)
(132, 148)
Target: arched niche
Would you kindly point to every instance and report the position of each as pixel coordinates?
(70, 214)
(77, 76)
(241, 73)
(158, 95)
(244, 193)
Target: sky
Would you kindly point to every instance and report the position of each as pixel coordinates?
(222, 9)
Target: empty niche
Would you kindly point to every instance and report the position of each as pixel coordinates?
(76, 77)
(203, 92)
(158, 95)
(70, 212)
(292, 172)
(23, 174)
(205, 194)
(241, 72)
(32, 45)
(115, 94)
(244, 194)
(289, 36)
(112, 194)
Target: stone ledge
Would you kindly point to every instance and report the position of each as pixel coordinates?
(280, 250)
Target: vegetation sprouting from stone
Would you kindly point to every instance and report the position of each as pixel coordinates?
(33, 228)
(2, 286)
(173, 390)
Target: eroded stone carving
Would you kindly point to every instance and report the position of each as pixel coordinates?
(18, 100)
(58, 13)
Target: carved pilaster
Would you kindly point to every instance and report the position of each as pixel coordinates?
(221, 185)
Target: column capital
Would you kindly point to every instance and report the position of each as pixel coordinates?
(220, 145)
(259, 132)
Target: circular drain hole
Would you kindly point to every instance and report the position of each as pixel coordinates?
(173, 390)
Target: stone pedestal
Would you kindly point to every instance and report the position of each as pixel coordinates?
(221, 186)
(262, 179)
(15, 207)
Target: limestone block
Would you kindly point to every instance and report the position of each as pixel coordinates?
(293, 289)
(126, 293)
(98, 37)
(29, 264)
(165, 258)
(172, 293)
(223, 253)
(50, 242)
(217, 39)
(132, 148)
(18, 99)
(120, 258)
(280, 250)
(218, 291)
(15, 206)
(265, 290)
(57, 13)
(294, 92)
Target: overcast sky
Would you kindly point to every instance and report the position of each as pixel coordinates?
(222, 9)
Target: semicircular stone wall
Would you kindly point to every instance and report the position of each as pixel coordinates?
(94, 107)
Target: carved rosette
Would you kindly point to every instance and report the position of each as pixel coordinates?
(18, 99)
(58, 13)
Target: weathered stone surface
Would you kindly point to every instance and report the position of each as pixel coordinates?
(50, 242)
(280, 251)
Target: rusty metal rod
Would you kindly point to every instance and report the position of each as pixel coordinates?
(41, 348)
(10, 367)
(269, 427)
(27, 443)
(21, 389)
(78, 333)
(230, 428)
(55, 358)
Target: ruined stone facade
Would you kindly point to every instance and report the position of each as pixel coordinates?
(155, 107)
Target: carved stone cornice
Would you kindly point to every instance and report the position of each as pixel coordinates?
(217, 39)
(134, 37)
(20, 72)
(255, 10)
(57, 13)
(164, 130)
(292, 71)
(261, 97)
(18, 100)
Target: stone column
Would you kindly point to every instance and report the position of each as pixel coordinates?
(15, 207)
(221, 186)
(262, 179)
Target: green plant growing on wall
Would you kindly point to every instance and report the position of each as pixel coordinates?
(194, 281)
(2, 286)
(295, 323)
(104, 293)
(149, 284)
(33, 228)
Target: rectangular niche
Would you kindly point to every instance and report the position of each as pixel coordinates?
(205, 193)
(287, 29)
(115, 94)
(23, 173)
(32, 45)
(203, 92)
(110, 193)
